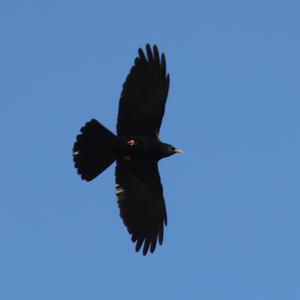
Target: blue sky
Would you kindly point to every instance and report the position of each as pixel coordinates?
(232, 198)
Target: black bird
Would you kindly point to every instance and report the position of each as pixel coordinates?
(136, 148)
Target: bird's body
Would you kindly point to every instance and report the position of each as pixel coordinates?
(142, 148)
(136, 148)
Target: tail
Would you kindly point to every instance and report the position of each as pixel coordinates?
(93, 150)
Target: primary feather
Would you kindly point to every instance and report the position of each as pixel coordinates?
(144, 95)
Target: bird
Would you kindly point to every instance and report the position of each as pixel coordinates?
(135, 147)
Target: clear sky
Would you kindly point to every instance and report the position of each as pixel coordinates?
(232, 198)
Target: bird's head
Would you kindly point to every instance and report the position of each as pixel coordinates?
(169, 150)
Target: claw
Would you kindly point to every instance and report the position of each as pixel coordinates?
(132, 143)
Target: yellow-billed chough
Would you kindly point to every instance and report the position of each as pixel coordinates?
(136, 148)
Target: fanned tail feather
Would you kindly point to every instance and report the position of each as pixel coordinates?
(93, 150)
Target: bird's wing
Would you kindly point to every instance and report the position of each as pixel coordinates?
(144, 95)
(141, 203)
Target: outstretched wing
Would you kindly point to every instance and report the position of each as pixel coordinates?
(144, 95)
(141, 203)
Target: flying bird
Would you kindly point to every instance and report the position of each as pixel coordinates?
(136, 148)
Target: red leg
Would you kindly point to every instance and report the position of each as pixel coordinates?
(127, 158)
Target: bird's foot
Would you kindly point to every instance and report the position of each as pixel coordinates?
(127, 158)
(132, 143)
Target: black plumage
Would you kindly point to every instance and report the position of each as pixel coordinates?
(136, 149)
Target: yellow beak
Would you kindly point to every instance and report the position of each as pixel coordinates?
(178, 151)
